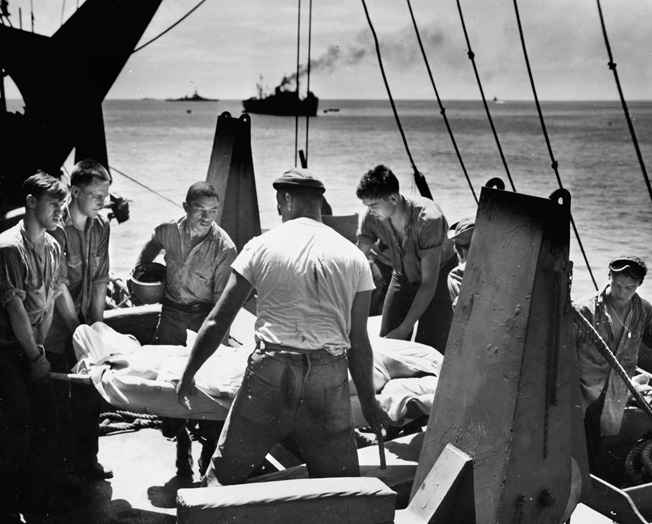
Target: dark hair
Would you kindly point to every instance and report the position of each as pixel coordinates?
(201, 189)
(41, 184)
(378, 182)
(85, 171)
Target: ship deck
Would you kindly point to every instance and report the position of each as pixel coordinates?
(143, 489)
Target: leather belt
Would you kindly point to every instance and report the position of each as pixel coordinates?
(269, 346)
(195, 307)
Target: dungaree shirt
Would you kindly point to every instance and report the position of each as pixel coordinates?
(86, 252)
(426, 230)
(198, 274)
(594, 371)
(33, 279)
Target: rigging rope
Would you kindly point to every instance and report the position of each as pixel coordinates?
(554, 164)
(308, 73)
(612, 66)
(143, 185)
(296, 117)
(419, 178)
(471, 56)
(441, 106)
(169, 28)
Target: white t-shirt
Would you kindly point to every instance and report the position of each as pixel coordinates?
(306, 276)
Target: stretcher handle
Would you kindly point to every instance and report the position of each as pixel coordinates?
(381, 449)
(73, 378)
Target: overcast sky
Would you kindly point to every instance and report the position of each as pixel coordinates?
(226, 45)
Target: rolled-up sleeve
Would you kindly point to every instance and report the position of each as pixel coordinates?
(223, 270)
(432, 234)
(12, 276)
(366, 232)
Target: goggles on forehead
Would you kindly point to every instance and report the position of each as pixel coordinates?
(637, 270)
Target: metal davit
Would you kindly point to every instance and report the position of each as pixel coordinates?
(505, 441)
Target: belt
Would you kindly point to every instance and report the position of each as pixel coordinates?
(268, 346)
(195, 307)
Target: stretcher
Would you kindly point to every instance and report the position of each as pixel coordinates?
(142, 378)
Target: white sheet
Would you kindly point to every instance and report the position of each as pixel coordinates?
(142, 379)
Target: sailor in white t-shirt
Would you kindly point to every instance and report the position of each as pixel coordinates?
(313, 288)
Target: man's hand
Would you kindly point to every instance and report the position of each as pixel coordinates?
(40, 369)
(185, 389)
(641, 384)
(375, 415)
(399, 333)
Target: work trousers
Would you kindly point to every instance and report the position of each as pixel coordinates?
(305, 395)
(435, 322)
(174, 322)
(593, 432)
(28, 435)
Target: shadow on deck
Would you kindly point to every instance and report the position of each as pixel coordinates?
(143, 489)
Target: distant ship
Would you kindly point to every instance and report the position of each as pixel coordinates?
(196, 97)
(283, 102)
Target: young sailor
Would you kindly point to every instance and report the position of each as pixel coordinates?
(415, 230)
(198, 257)
(29, 285)
(624, 321)
(460, 233)
(83, 234)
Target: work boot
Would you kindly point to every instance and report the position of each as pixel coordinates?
(184, 460)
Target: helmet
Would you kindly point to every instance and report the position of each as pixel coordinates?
(147, 282)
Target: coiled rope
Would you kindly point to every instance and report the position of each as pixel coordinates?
(471, 56)
(612, 66)
(116, 422)
(419, 178)
(441, 106)
(638, 465)
(554, 163)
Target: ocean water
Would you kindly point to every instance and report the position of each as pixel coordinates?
(167, 145)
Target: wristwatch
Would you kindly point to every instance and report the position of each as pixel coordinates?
(41, 353)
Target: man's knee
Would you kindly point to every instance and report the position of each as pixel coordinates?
(220, 473)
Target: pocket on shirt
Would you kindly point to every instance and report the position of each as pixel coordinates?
(74, 261)
(337, 408)
(261, 402)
